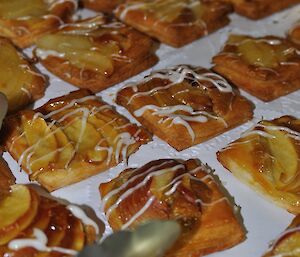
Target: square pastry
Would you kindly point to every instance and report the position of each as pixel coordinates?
(102, 5)
(266, 67)
(184, 191)
(71, 138)
(96, 53)
(287, 244)
(174, 22)
(267, 159)
(24, 23)
(185, 105)
(257, 9)
(34, 225)
(19, 80)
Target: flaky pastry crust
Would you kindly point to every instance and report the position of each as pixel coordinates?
(266, 158)
(185, 105)
(294, 34)
(266, 67)
(19, 80)
(6, 177)
(257, 9)
(121, 51)
(184, 191)
(71, 138)
(24, 30)
(174, 22)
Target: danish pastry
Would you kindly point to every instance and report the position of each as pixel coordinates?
(96, 53)
(24, 23)
(184, 191)
(257, 9)
(185, 105)
(102, 5)
(19, 80)
(267, 159)
(174, 22)
(266, 67)
(287, 244)
(71, 138)
(32, 225)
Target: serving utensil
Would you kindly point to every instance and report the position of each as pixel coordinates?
(151, 239)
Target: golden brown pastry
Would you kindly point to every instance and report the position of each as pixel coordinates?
(257, 9)
(266, 67)
(19, 80)
(184, 191)
(267, 159)
(24, 23)
(96, 53)
(71, 138)
(185, 105)
(294, 34)
(102, 5)
(288, 243)
(174, 22)
(32, 225)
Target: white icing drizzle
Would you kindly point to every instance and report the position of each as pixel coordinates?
(154, 171)
(177, 75)
(43, 53)
(80, 214)
(139, 213)
(123, 141)
(163, 13)
(39, 243)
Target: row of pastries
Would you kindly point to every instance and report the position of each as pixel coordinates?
(78, 135)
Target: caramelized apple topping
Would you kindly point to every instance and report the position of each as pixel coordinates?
(13, 9)
(262, 52)
(170, 10)
(16, 76)
(277, 148)
(91, 45)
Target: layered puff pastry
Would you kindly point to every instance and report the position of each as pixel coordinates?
(106, 6)
(185, 105)
(19, 80)
(266, 67)
(257, 9)
(71, 138)
(288, 243)
(184, 191)
(32, 225)
(267, 159)
(24, 23)
(174, 22)
(96, 53)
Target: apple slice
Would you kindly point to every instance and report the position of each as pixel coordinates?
(17, 211)
(42, 140)
(285, 162)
